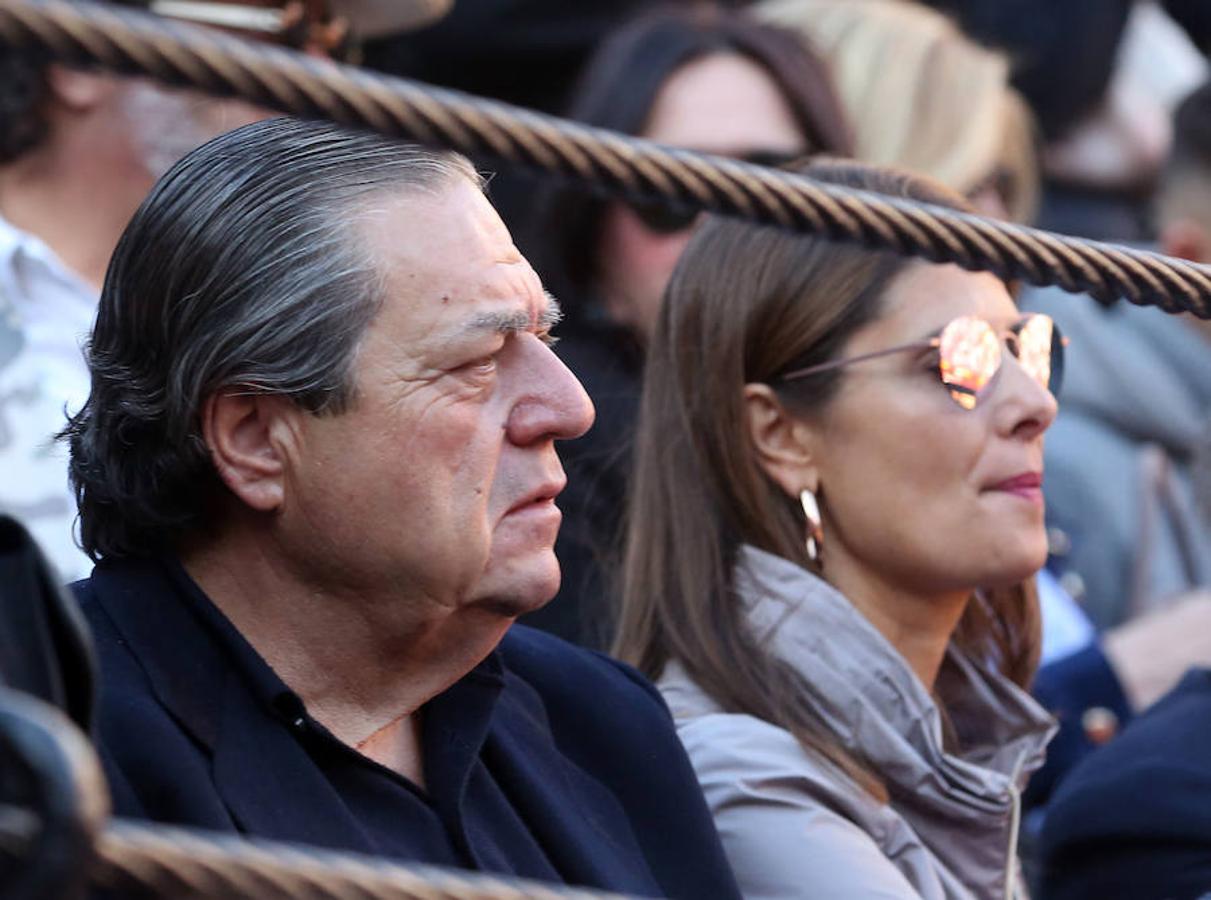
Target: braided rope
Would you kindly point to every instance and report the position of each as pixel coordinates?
(136, 860)
(131, 42)
(159, 861)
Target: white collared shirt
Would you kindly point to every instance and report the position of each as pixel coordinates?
(46, 312)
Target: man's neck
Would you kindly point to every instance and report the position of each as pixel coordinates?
(362, 664)
(75, 201)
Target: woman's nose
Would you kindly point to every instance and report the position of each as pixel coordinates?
(1027, 407)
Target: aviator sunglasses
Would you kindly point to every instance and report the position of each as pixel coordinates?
(970, 354)
(669, 218)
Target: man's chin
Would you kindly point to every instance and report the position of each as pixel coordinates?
(522, 590)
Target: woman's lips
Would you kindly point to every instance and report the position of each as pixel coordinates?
(1028, 486)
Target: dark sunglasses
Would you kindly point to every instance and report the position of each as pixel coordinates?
(669, 218)
(970, 354)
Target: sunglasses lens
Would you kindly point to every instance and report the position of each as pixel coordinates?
(1041, 351)
(664, 219)
(969, 355)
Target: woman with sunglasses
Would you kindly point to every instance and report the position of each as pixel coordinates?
(696, 76)
(836, 515)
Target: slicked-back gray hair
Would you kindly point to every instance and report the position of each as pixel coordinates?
(239, 270)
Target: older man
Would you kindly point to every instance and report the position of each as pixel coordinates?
(318, 469)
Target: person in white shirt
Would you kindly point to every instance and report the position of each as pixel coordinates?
(78, 153)
(44, 310)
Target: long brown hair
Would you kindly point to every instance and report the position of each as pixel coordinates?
(745, 304)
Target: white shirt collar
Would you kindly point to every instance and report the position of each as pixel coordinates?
(26, 259)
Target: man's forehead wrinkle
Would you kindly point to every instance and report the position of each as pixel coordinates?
(520, 276)
(489, 231)
(510, 255)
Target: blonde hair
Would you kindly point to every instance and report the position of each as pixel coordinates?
(920, 95)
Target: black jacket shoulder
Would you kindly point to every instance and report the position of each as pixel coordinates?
(1134, 818)
(610, 720)
(560, 668)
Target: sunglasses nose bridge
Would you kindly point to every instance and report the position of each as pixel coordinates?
(1029, 387)
(1017, 407)
(1031, 368)
(1039, 348)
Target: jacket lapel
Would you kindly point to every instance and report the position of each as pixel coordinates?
(265, 778)
(270, 785)
(576, 819)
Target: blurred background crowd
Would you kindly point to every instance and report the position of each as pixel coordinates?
(1087, 117)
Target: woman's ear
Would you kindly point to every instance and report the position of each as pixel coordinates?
(242, 431)
(784, 443)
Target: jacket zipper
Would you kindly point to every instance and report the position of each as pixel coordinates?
(1015, 821)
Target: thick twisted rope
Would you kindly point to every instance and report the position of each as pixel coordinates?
(136, 43)
(136, 860)
(55, 838)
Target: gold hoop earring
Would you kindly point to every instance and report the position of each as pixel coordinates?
(815, 532)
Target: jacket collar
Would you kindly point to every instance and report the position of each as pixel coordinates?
(869, 698)
(193, 677)
(578, 819)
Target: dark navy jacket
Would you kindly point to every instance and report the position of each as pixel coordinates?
(567, 764)
(1133, 820)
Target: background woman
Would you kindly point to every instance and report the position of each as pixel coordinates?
(695, 76)
(834, 527)
(949, 112)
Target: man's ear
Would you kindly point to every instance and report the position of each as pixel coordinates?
(784, 443)
(242, 430)
(1186, 239)
(81, 91)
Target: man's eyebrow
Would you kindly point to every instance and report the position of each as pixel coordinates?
(553, 314)
(512, 322)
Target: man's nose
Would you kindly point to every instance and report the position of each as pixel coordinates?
(555, 406)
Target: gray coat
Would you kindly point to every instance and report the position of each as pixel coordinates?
(794, 825)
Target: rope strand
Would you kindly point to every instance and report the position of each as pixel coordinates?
(136, 860)
(136, 43)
